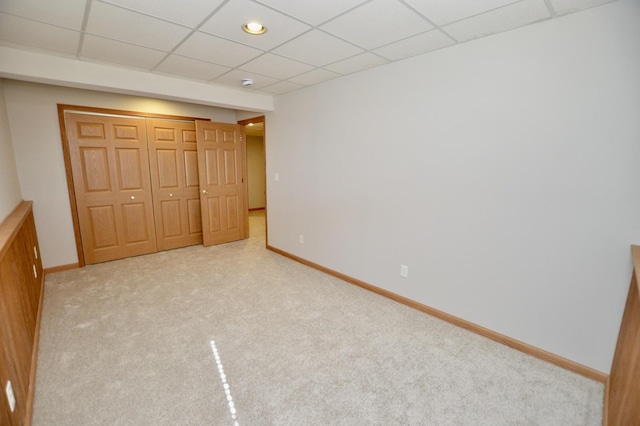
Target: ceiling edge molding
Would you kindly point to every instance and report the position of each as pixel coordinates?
(40, 68)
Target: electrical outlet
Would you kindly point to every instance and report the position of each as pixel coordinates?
(10, 397)
(301, 239)
(404, 271)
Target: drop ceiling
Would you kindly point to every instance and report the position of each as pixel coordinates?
(307, 41)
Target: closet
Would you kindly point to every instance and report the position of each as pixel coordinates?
(143, 184)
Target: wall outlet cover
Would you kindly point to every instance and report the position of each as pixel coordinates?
(10, 396)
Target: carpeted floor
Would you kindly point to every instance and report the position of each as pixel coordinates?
(235, 334)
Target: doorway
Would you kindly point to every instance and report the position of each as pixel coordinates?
(256, 172)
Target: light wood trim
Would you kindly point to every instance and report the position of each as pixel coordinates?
(262, 120)
(61, 268)
(70, 188)
(557, 360)
(34, 357)
(622, 397)
(605, 409)
(251, 120)
(80, 109)
(67, 157)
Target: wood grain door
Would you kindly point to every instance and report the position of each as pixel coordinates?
(110, 169)
(173, 160)
(223, 191)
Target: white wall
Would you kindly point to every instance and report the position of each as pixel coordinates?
(504, 172)
(33, 120)
(255, 168)
(10, 194)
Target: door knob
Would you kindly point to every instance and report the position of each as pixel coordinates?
(204, 191)
(170, 195)
(133, 198)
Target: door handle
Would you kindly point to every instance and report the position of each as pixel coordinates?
(170, 195)
(204, 191)
(133, 198)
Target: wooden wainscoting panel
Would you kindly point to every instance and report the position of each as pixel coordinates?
(21, 289)
(623, 391)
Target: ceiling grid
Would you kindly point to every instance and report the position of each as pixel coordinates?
(306, 42)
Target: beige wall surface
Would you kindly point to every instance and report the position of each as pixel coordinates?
(10, 194)
(33, 120)
(503, 172)
(255, 166)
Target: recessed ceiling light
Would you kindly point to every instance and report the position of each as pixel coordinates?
(254, 28)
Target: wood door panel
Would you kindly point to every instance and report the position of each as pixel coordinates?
(103, 229)
(167, 168)
(90, 130)
(221, 156)
(165, 134)
(174, 179)
(171, 218)
(214, 214)
(127, 133)
(134, 219)
(109, 166)
(230, 167)
(233, 213)
(95, 169)
(191, 169)
(130, 176)
(194, 217)
(189, 136)
(211, 167)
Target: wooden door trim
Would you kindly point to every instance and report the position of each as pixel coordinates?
(260, 119)
(67, 157)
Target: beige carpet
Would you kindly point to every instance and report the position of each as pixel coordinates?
(198, 336)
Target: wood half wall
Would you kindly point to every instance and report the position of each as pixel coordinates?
(21, 290)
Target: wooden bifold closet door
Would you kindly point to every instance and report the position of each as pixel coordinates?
(173, 156)
(110, 168)
(143, 185)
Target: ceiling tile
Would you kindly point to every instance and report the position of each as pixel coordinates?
(216, 50)
(314, 77)
(120, 24)
(282, 87)
(105, 50)
(317, 48)
(191, 68)
(498, 20)
(416, 45)
(567, 6)
(313, 12)
(276, 66)
(228, 22)
(186, 12)
(377, 23)
(234, 78)
(35, 34)
(357, 63)
(442, 12)
(66, 13)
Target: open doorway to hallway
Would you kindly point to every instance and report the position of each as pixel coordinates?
(256, 175)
